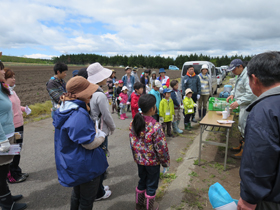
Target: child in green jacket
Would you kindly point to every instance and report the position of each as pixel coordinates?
(188, 108)
(166, 111)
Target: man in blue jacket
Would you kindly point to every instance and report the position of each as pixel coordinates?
(260, 169)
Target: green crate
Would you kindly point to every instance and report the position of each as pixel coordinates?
(221, 105)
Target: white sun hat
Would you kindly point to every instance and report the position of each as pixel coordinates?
(97, 73)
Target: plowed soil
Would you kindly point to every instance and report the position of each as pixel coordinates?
(31, 80)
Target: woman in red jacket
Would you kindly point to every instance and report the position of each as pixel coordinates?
(138, 90)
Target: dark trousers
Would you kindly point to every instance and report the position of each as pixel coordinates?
(187, 118)
(83, 195)
(265, 205)
(156, 117)
(100, 192)
(4, 189)
(149, 178)
(14, 165)
(168, 126)
(194, 98)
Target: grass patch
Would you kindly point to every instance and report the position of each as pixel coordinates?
(39, 111)
(166, 179)
(180, 159)
(193, 174)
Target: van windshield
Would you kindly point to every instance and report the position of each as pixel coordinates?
(196, 69)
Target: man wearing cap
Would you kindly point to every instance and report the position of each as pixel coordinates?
(243, 96)
(192, 81)
(163, 78)
(128, 81)
(155, 91)
(260, 169)
(134, 73)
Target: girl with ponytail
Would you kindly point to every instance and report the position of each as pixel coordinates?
(149, 149)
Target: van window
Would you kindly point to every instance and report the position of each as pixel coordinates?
(213, 71)
(196, 69)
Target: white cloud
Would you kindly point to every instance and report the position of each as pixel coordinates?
(42, 56)
(142, 27)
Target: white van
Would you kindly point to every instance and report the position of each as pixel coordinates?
(197, 66)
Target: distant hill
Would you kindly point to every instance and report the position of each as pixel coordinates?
(6, 58)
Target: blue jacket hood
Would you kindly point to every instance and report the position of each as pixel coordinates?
(65, 111)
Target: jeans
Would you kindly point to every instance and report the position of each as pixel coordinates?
(149, 178)
(83, 195)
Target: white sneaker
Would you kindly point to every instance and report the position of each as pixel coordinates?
(107, 195)
(106, 188)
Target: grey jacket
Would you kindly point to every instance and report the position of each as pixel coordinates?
(242, 91)
(135, 77)
(99, 105)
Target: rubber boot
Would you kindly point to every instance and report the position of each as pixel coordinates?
(187, 127)
(140, 199)
(193, 118)
(175, 130)
(178, 123)
(7, 203)
(239, 147)
(177, 126)
(122, 117)
(190, 125)
(125, 116)
(204, 112)
(17, 197)
(199, 113)
(151, 204)
(238, 155)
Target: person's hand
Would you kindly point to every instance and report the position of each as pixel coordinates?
(234, 105)
(128, 103)
(5, 146)
(161, 119)
(27, 110)
(172, 118)
(111, 133)
(165, 169)
(182, 106)
(100, 133)
(198, 96)
(243, 205)
(229, 98)
(195, 105)
(119, 98)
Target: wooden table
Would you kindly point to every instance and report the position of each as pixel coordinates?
(210, 119)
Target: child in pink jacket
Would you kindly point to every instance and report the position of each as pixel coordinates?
(123, 97)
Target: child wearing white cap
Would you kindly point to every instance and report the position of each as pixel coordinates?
(123, 97)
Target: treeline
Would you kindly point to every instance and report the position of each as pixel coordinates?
(144, 61)
(6, 58)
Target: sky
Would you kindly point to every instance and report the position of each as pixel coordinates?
(43, 29)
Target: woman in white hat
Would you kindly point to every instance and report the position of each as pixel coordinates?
(205, 90)
(99, 110)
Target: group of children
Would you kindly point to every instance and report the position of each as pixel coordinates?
(170, 105)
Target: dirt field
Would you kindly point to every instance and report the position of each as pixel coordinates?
(31, 80)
